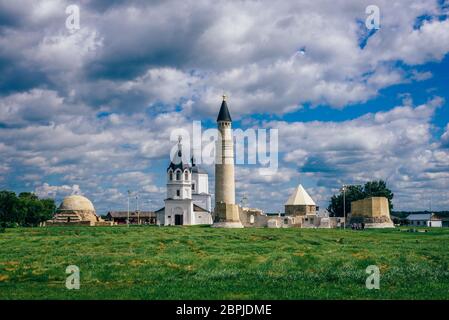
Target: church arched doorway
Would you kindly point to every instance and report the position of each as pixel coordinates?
(179, 221)
(179, 216)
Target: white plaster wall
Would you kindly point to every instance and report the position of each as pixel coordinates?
(202, 183)
(437, 224)
(172, 207)
(203, 218)
(184, 186)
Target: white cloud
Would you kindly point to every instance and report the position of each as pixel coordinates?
(246, 48)
(445, 136)
(66, 51)
(395, 146)
(421, 76)
(49, 191)
(95, 108)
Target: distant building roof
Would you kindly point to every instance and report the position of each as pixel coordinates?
(300, 197)
(197, 208)
(132, 214)
(419, 216)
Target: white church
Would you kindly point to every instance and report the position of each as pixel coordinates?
(188, 199)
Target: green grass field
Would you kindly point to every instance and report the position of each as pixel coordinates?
(208, 263)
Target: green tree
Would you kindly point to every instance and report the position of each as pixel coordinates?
(379, 189)
(352, 193)
(25, 210)
(8, 207)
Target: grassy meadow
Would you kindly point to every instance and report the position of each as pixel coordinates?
(207, 263)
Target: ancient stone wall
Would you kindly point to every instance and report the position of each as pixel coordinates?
(225, 212)
(370, 207)
(253, 218)
(299, 210)
(373, 212)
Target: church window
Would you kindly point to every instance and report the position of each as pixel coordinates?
(178, 193)
(186, 175)
(193, 187)
(178, 175)
(171, 176)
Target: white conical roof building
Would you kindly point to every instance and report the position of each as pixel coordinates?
(300, 197)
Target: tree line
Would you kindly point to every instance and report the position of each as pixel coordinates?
(25, 209)
(358, 192)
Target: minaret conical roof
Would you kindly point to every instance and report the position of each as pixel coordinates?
(224, 114)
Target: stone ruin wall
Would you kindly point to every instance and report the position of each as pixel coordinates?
(374, 207)
(299, 210)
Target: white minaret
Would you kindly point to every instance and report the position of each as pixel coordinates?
(224, 167)
(226, 211)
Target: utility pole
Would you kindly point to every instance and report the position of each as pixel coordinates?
(127, 221)
(149, 210)
(244, 201)
(344, 205)
(137, 208)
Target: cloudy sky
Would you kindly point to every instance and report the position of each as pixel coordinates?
(90, 111)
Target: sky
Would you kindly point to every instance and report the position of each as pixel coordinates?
(90, 111)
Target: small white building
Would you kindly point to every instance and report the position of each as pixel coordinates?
(188, 200)
(424, 220)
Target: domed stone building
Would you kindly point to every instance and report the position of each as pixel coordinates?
(76, 210)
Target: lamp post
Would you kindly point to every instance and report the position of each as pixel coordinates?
(127, 221)
(244, 201)
(344, 207)
(149, 210)
(137, 208)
